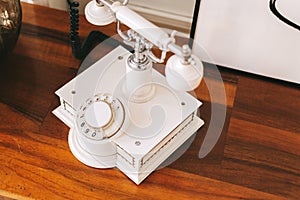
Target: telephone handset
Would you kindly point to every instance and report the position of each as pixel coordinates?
(123, 113)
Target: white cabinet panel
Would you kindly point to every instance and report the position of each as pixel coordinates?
(246, 35)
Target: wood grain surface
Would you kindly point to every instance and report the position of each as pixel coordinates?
(256, 157)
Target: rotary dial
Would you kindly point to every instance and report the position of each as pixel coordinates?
(100, 117)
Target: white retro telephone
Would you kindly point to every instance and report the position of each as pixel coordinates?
(121, 112)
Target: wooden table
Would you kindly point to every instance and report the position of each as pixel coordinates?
(256, 157)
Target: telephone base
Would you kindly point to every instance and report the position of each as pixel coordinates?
(140, 136)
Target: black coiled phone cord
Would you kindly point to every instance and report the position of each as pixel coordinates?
(95, 37)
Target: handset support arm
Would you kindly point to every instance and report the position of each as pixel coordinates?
(149, 31)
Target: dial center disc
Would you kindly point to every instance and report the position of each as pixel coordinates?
(98, 114)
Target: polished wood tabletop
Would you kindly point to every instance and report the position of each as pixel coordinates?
(256, 157)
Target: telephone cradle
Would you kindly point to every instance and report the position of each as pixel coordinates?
(108, 129)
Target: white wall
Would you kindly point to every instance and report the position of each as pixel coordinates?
(173, 7)
(169, 13)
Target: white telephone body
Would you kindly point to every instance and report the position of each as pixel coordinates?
(123, 113)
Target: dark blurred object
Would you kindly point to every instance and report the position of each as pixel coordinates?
(10, 24)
